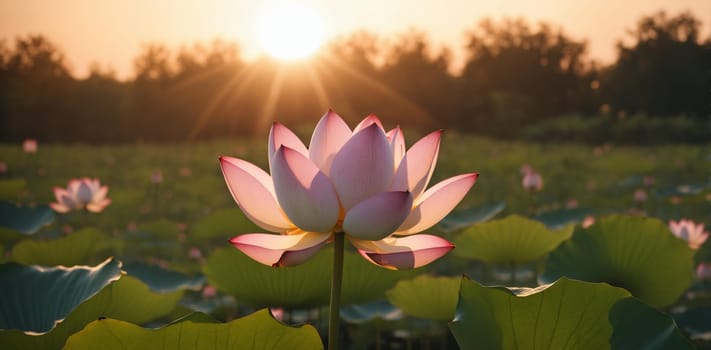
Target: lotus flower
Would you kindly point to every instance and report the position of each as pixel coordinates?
(703, 271)
(689, 231)
(81, 193)
(532, 180)
(29, 146)
(359, 182)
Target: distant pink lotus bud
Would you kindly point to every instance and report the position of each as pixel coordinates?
(181, 226)
(532, 181)
(689, 231)
(81, 194)
(3, 168)
(675, 200)
(362, 183)
(131, 226)
(703, 271)
(571, 203)
(195, 253)
(588, 221)
(278, 313)
(67, 229)
(640, 195)
(209, 291)
(29, 146)
(157, 177)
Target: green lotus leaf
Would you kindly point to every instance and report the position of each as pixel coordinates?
(223, 224)
(127, 299)
(27, 220)
(11, 188)
(567, 314)
(84, 247)
(302, 286)
(463, 218)
(638, 254)
(426, 296)
(33, 298)
(163, 280)
(513, 239)
(560, 219)
(256, 331)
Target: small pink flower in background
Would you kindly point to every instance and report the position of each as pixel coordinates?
(209, 291)
(588, 221)
(640, 195)
(571, 203)
(3, 168)
(649, 180)
(195, 253)
(29, 146)
(131, 226)
(185, 172)
(703, 271)
(67, 229)
(532, 180)
(362, 183)
(675, 200)
(81, 194)
(181, 226)
(157, 177)
(689, 231)
(278, 313)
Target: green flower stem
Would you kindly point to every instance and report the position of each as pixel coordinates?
(336, 279)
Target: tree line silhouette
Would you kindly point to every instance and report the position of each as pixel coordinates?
(519, 80)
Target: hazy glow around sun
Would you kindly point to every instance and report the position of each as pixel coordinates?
(289, 31)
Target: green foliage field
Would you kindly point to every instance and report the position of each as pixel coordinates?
(171, 238)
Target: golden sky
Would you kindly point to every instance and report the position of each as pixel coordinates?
(111, 31)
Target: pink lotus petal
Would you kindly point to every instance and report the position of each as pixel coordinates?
(59, 193)
(253, 190)
(329, 136)
(100, 193)
(416, 168)
(280, 250)
(436, 203)
(98, 206)
(363, 167)
(368, 121)
(281, 135)
(403, 253)
(304, 193)
(397, 142)
(377, 217)
(73, 186)
(59, 208)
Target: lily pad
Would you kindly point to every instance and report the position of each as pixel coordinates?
(33, 298)
(560, 219)
(256, 331)
(82, 247)
(302, 286)
(567, 314)
(163, 280)
(425, 296)
(127, 299)
(513, 239)
(464, 218)
(27, 220)
(638, 254)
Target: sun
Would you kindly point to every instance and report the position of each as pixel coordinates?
(289, 32)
